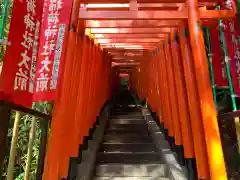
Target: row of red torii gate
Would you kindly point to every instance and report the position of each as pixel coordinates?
(50, 56)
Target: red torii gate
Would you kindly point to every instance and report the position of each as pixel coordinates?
(82, 53)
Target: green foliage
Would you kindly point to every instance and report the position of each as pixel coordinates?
(22, 144)
(6, 25)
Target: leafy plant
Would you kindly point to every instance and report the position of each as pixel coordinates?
(22, 144)
(6, 26)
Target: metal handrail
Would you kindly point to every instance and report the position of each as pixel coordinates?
(36, 115)
(229, 115)
(25, 110)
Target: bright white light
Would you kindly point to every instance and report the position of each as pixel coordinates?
(105, 30)
(105, 5)
(99, 36)
(124, 64)
(124, 46)
(135, 48)
(103, 40)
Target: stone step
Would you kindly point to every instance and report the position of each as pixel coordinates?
(126, 131)
(132, 170)
(127, 110)
(127, 121)
(139, 127)
(126, 116)
(131, 178)
(130, 107)
(128, 158)
(127, 147)
(127, 138)
(121, 132)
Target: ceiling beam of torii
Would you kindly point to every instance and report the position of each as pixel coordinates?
(107, 41)
(125, 64)
(127, 31)
(123, 50)
(152, 15)
(130, 46)
(140, 1)
(121, 58)
(130, 30)
(131, 24)
(129, 36)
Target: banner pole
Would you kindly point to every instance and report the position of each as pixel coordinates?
(210, 64)
(3, 18)
(226, 59)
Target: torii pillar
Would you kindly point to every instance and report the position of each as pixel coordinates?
(208, 111)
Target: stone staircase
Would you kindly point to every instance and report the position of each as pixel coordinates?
(127, 151)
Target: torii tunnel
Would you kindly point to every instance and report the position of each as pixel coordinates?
(160, 46)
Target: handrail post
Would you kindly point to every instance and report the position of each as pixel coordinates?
(227, 65)
(5, 112)
(11, 162)
(30, 148)
(209, 54)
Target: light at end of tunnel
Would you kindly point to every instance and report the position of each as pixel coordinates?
(88, 31)
(123, 75)
(93, 23)
(105, 30)
(103, 40)
(125, 64)
(134, 48)
(204, 8)
(125, 46)
(106, 5)
(99, 36)
(92, 36)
